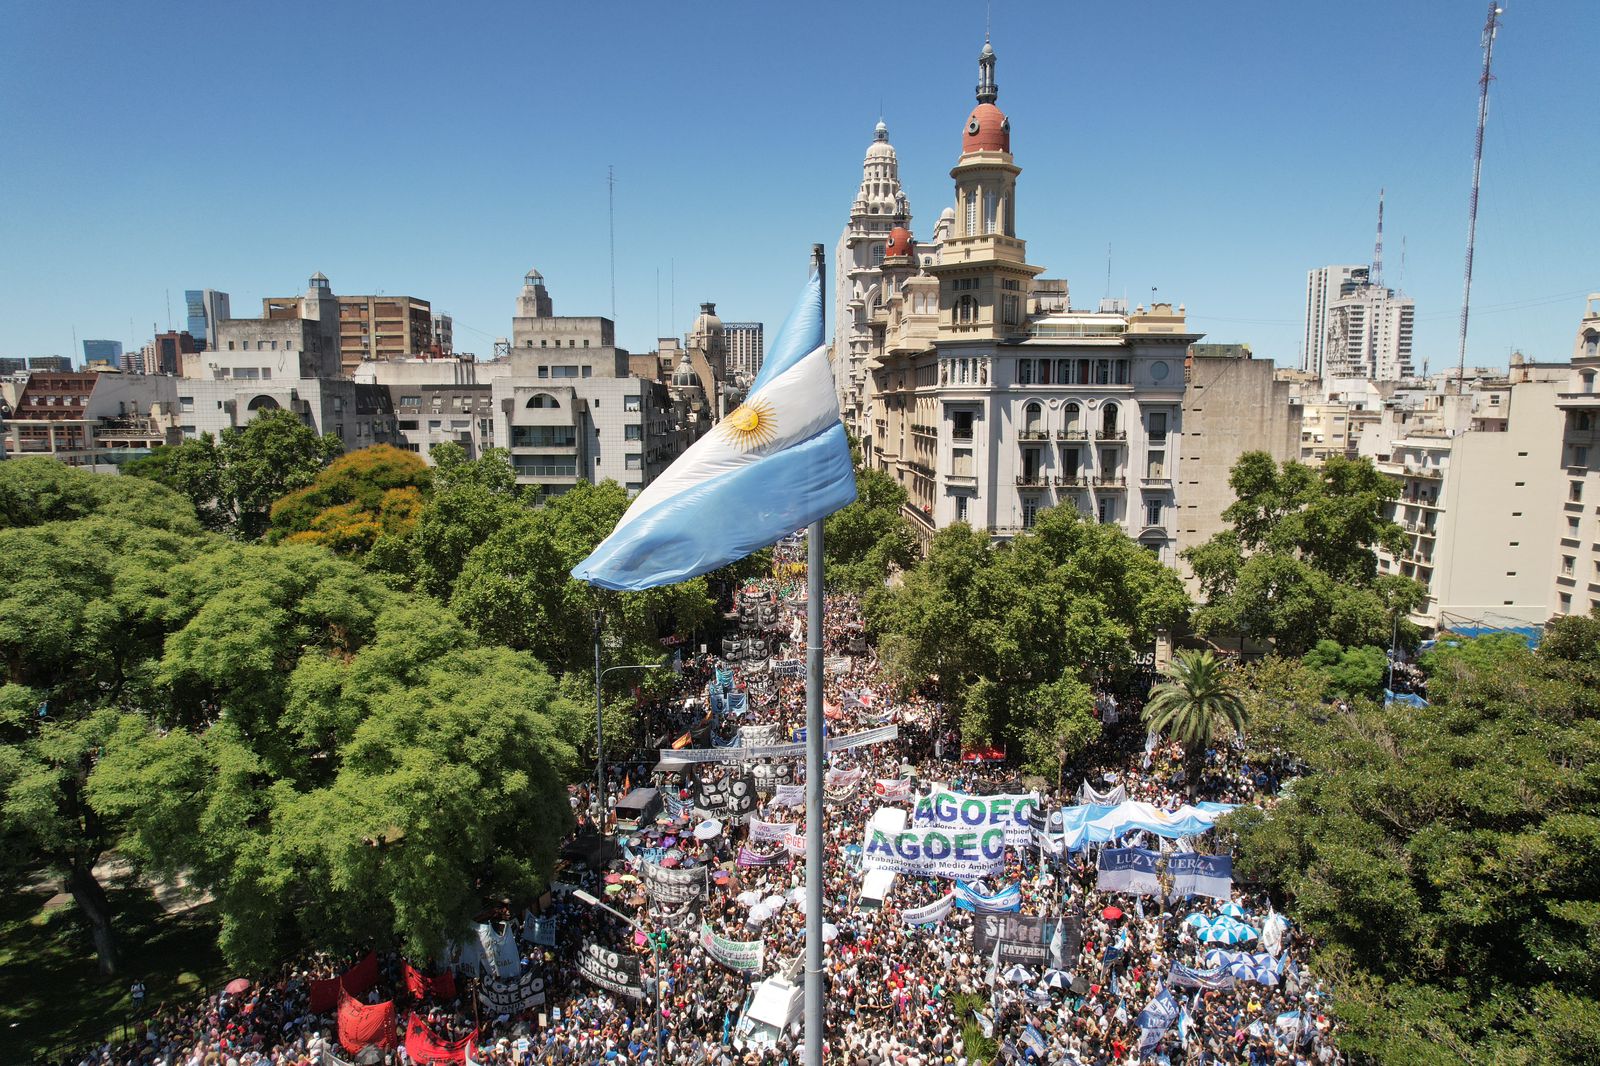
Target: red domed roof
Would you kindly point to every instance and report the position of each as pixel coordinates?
(899, 242)
(988, 130)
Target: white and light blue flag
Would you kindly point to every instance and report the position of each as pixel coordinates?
(775, 464)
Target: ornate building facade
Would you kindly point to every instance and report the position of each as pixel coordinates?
(984, 392)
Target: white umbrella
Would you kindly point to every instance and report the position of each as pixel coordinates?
(830, 932)
(798, 895)
(1059, 979)
(708, 830)
(749, 897)
(775, 903)
(1018, 974)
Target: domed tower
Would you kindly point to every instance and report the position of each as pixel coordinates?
(984, 273)
(534, 299)
(880, 203)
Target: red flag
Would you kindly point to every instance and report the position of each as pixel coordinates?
(442, 987)
(425, 1048)
(361, 1025)
(358, 980)
(681, 742)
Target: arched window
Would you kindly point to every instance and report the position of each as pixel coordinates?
(1588, 380)
(1108, 420)
(542, 400)
(1072, 417)
(972, 214)
(262, 403)
(1033, 418)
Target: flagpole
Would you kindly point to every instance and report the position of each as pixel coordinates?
(815, 1021)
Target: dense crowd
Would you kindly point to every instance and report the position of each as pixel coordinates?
(898, 994)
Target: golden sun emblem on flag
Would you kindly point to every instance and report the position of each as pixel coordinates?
(752, 424)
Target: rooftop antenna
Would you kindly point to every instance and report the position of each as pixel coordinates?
(658, 306)
(1377, 247)
(169, 310)
(1490, 27)
(611, 222)
(1108, 270)
(1402, 259)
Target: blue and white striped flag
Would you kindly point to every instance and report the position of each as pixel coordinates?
(776, 463)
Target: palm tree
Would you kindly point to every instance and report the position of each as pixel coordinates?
(1191, 705)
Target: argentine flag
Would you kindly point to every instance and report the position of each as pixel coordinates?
(776, 463)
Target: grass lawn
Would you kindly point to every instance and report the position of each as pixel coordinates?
(52, 997)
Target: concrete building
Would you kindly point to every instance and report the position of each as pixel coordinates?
(1232, 404)
(370, 327)
(297, 342)
(166, 351)
(206, 308)
(59, 364)
(989, 397)
(444, 340)
(96, 420)
(1323, 286)
(746, 343)
(1577, 576)
(108, 352)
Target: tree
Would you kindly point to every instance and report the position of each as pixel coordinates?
(1349, 672)
(1300, 562)
(863, 539)
(1447, 858)
(233, 482)
(357, 499)
(1060, 725)
(1070, 599)
(1193, 706)
(83, 560)
(472, 500)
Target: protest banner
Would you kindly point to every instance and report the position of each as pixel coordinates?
(1130, 870)
(937, 911)
(1201, 875)
(611, 970)
(744, 956)
(731, 797)
(797, 750)
(672, 886)
(1005, 898)
(892, 790)
(1211, 979)
(511, 995)
(840, 785)
(1025, 939)
(769, 831)
(790, 796)
(946, 810)
(795, 844)
(748, 856)
(935, 852)
(773, 775)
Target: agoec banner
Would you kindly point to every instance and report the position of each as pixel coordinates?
(611, 970)
(932, 852)
(1025, 939)
(946, 809)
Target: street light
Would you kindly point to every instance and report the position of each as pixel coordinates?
(599, 721)
(655, 959)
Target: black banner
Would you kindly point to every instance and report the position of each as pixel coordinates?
(730, 797)
(1026, 939)
(511, 995)
(611, 970)
(673, 886)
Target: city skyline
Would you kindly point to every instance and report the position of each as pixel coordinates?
(1241, 158)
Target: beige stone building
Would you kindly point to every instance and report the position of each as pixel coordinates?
(1577, 576)
(1232, 404)
(370, 327)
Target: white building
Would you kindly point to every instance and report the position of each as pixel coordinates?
(746, 343)
(1323, 286)
(1369, 332)
(988, 396)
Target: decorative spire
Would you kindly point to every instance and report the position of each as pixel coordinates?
(881, 132)
(988, 91)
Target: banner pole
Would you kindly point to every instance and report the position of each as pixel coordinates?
(815, 1018)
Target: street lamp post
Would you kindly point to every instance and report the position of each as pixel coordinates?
(599, 722)
(655, 960)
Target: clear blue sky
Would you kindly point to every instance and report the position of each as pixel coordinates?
(441, 150)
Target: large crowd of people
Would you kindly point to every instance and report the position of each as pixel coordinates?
(898, 994)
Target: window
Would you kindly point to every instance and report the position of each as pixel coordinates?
(542, 400)
(1030, 511)
(961, 508)
(961, 425)
(413, 402)
(633, 461)
(1109, 467)
(630, 403)
(1155, 465)
(961, 462)
(1566, 602)
(186, 404)
(1588, 377)
(587, 370)
(967, 309)
(1158, 426)
(1030, 463)
(1122, 371)
(1105, 511)
(1043, 370)
(1102, 371)
(1010, 315)
(1572, 526)
(543, 343)
(1569, 563)
(1575, 492)
(1072, 463)
(544, 373)
(1580, 455)
(586, 342)
(972, 215)
(338, 405)
(1108, 420)
(1152, 513)
(1033, 418)
(407, 423)
(633, 433)
(1024, 371)
(563, 371)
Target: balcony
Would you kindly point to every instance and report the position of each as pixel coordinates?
(1071, 434)
(1110, 434)
(1110, 482)
(1032, 481)
(1072, 481)
(1155, 481)
(1033, 434)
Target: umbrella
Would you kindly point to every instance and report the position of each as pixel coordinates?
(669, 862)
(1227, 931)
(797, 894)
(1197, 920)
(1018, 974)
(775, 903)
(1233, 910)
(612, 879)
(749, 898)
(708, 830)
(612, 890)
(237, 986)
(668, 841)
(629, 878)
(721, 877)
(1111, 914)
(830, 932)
(1057, 979)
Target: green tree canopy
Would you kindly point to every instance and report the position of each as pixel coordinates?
(1194, 705)
(1299, 563)
(1071, 599)
(1447, 858)
(1350, 672)
(471, 500)
(864, 538)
